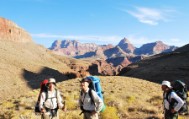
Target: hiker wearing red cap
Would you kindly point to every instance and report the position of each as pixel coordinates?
(51, 101)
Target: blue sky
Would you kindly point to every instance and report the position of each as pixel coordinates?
(101, 21)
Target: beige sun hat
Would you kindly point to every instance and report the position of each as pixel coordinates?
(166, 83)
(52, 80)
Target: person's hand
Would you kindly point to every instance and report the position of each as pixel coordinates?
(94, 112)
(173, 111)
(64, 109)
(43, 110)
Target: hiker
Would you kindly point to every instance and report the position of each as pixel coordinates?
(89, 108)
(51, 101)
(171, 101)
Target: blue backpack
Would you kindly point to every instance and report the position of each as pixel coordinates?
(95, 85)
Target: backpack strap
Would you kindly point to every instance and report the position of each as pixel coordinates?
(56, 96)
(47, 96)
(92, 97)
(167, 96)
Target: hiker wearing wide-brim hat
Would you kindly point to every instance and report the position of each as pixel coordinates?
(51, 81)
(51, 101)
(85, 80)
(90, 109)
(171, 101)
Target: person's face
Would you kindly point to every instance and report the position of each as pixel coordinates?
(84, 85)
(164, 87)
(51, 85)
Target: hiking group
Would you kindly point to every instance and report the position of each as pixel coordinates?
(91, 99)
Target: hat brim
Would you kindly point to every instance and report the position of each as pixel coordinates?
(84, 81)
(52, 83)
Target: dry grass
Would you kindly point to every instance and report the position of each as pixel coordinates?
(124, 97)
(23, 64)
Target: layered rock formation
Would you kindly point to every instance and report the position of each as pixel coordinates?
(167, 66)
(125, 48)
(114, 58)
(154, 48)
(126, 45)
(9, 31)
(76, 49)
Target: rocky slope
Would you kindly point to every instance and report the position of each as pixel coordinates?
(24, 64)
(167, 66)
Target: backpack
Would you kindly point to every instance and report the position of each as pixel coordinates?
(180, 89)
(95, 85)
(43, 88)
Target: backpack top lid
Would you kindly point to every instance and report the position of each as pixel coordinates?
(94, 79)
(43, 84)
(178, 85)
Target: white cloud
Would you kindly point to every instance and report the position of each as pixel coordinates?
(150, 16)
(83, 38)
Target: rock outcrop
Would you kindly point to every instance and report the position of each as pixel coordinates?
(76, 49)
(154, 48)
(9, 31)
(101, 67)
(126, 45)
(167, 66)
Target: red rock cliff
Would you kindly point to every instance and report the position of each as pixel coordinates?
(9, 31)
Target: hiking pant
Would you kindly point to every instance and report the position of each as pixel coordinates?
(48, 115)
(169, 115)
(88, 115)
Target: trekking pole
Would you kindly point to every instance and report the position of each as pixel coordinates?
(81, 113)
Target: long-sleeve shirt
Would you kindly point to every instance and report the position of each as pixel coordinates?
(171, 96)
(51, 102)
(86, 101)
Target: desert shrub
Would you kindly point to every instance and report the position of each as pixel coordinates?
(7, 115)
(181, 117)
(108, 99)
(71, 104)
(110, 113)
(147, 110)
(130, 99)
(131, 109)
(153, 117)
(156, 100)
(74, 114)
(8, 105)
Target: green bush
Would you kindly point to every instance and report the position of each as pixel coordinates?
(110, 113)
